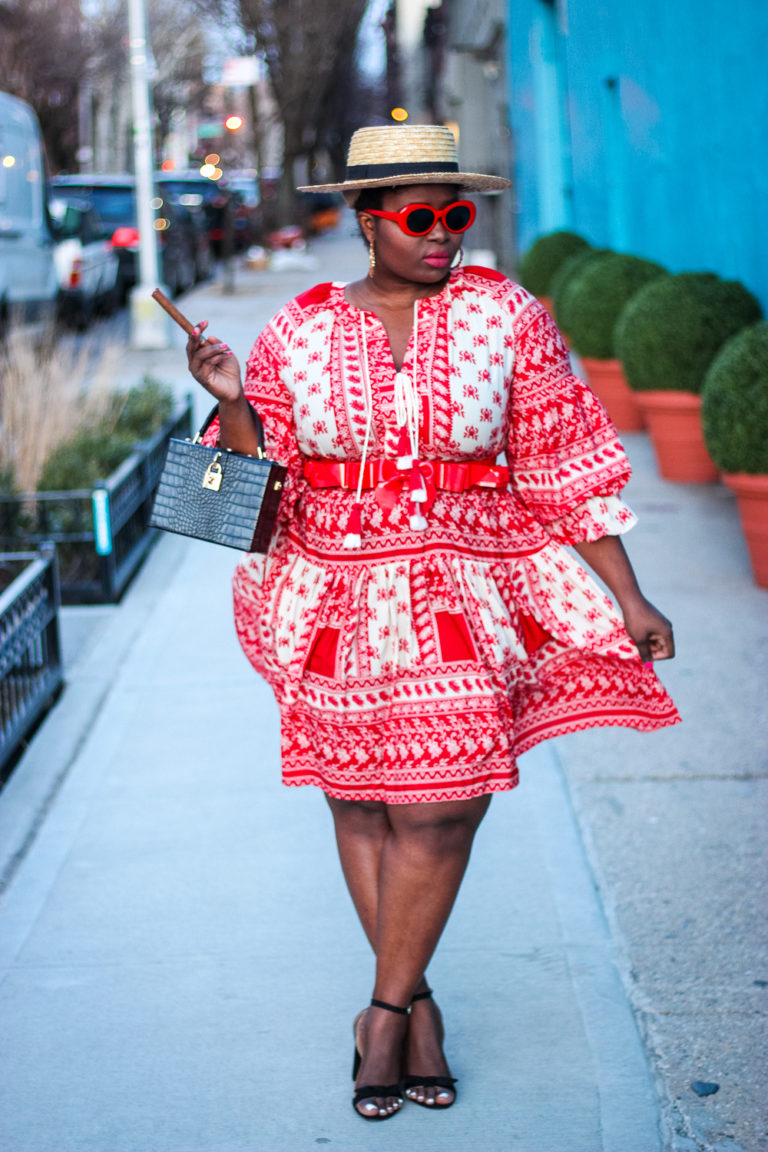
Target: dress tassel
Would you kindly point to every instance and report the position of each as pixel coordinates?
(404, 455)
(416, 489)
(354, 535)
(417, 521)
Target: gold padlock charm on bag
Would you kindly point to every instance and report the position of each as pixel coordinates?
(214, 474)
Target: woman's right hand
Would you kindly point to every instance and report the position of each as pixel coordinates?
(214, 365)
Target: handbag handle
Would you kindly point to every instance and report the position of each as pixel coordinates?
(257, 421)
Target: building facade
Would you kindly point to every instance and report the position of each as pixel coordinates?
(644, 127)
(474, 100)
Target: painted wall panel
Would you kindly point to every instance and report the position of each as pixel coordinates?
(671, 161)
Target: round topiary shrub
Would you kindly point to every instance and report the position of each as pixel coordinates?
(734, 408)
(566, 275)
(544, 257)
(594, 299)
(671, 330)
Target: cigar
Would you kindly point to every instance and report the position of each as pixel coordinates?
(173, 311)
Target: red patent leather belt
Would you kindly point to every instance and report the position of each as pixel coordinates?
(446, 475)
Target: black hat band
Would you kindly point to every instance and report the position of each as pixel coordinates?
(382, 171)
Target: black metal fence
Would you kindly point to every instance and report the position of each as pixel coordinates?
(101, 534)
(30, 649)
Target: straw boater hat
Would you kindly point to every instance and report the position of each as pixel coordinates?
(395, 154)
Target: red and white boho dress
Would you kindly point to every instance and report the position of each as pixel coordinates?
(418, 665)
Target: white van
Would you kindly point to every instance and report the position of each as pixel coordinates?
(28, 283)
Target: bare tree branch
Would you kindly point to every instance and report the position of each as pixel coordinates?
(309, 50)
(43, 50)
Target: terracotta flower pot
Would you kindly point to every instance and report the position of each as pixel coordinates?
(673, 420)
(752, 497)
(547, 303)
(607, 380)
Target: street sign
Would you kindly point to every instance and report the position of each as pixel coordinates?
(240, 71)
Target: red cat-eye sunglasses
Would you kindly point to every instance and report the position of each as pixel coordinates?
(419, 219)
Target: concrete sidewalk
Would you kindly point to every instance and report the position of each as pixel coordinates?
(182, 963)
(180, 960)
(674, 823)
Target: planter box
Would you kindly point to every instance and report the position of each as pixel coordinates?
(30, 649)
(101, 534)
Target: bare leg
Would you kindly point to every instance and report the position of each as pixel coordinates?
(429, 842)
(361, 829)
(419, 840)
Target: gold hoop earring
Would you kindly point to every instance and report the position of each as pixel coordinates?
(460, 259)
(371, 259)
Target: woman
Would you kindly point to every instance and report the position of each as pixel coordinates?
(417, 615)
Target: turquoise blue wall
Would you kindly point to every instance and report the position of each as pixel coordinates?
(644, 126)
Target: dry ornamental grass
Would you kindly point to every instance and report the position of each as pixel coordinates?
(48, 392)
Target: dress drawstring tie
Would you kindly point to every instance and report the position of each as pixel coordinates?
(354, 534)
(407, 413)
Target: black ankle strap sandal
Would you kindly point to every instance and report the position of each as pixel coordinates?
(371, 1091)
(391, 1007)
(445, 1082)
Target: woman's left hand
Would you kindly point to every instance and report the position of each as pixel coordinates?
(650, 630)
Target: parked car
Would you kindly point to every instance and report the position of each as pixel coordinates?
(114, 199)
(237, 194)
(28, 285)
(322, 211)
(249, 225)
(86, 262)
(198, 194)
(193, 219)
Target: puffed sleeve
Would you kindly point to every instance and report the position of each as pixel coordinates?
(266, 392)
(567, 462)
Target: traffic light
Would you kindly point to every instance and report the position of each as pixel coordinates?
(233, 123)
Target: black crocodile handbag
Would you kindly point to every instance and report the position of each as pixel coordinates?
(217, 495)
